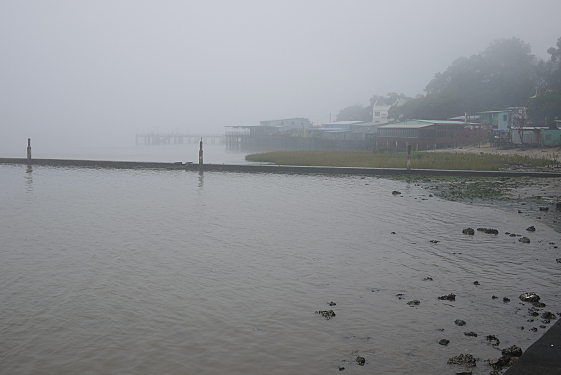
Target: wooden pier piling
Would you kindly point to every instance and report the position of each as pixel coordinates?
(201, 154)
(29, 150)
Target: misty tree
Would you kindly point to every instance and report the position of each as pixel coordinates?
(545, 106)
(355, 112)
(503, 75)
(519, 122)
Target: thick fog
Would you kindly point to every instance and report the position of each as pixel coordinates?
(97, 72)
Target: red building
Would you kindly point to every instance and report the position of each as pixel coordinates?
(430, 134)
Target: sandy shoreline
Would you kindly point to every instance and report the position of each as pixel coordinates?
(536, 198)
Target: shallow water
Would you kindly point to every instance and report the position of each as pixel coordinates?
(145, 271)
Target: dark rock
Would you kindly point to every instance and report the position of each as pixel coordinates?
(531, 229)
(444, 342)
(427, 278)
(534, 329)
(360, 360)
(327, 314)
(393, 232)
(395, 192)
(544, 209)
(505, 299)
(459, 322)
(524, 240)
(541, 305)
(494, 297)
(470, 334)
(542, 326)
(513, 351)
(488, 230)
(462, 359)
(476, 282)
(414, 303)
(341, 368)
(513, 235)
(469, 231)
(558, 260)
(332, 303)
(434, 241)
(502, 362)
(449, 297)
(464, 373)
(549, 316)
(493, 340)
(399, 295)
(529, 297)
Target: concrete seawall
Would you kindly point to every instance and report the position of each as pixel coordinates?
(268, 168)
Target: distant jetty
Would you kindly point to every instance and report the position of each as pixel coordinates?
(269, 168)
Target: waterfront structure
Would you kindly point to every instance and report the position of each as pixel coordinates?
(288, 125)
(501, 120)
(381, 110)
(429, 134)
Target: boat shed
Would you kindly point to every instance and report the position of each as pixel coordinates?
(429, 134)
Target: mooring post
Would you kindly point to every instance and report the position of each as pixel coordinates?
(29, 150)
(201, 154)
(408, 157)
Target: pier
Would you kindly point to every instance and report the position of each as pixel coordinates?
(177, 138)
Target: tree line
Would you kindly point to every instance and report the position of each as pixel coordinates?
(506, 74)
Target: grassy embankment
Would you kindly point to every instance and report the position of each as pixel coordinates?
(419, 160)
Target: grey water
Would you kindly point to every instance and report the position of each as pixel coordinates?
(175, 272)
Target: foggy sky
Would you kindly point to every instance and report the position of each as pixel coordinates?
(97, 72)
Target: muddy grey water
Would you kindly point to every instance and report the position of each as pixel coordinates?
(174, 272)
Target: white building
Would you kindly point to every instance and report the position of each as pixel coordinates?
(381, 109)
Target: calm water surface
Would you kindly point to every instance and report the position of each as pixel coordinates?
(173, 272)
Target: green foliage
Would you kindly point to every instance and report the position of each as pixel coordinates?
(503, 75)
(419, 160)
(545, 106)
(355, 112)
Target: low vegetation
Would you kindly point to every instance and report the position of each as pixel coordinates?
(419, 160)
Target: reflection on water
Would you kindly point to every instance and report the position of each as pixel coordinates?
(133, 272)
(29, 177)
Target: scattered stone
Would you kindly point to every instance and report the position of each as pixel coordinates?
(449, 297)
(548, 315)
(524, 240)
(531, 229)
(444, 342)
(513, 235)
(332, 303)
(529, 297)
(541, 305)
(534, 329)
(544, 209)
(434, 241)
(488, 230)
(462, 359)
(469, 231)
(341, 368)
(360, 360)
(513, 351)
(542, 326)
(476, 282)
(558, 260)
(505, 299)
(494, 297)
(327, 314)
(464, 373)
(502, 362)
(430, 195)
(428, 278)
(470, 334)
(521, 328)
(459, 322)
(395, 192)
(493, 340)
(399, 295)
(414, 303)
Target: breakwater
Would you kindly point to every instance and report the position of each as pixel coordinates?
(269, 168)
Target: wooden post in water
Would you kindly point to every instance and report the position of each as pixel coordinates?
(29, 150)
(408, 157)
(201, 154)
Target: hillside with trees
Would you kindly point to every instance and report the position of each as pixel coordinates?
(505, 74)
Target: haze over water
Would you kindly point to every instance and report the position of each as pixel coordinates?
(145, 271)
